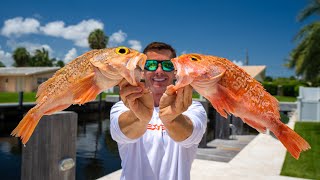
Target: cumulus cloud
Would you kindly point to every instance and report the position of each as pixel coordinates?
(117, 38)
(184, 52)
(19, 26)
(239, 63)
(72, 54)
(77, 33)
(31, 47)
(6, 58)
(134, 44)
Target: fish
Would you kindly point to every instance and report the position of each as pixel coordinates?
(231, 90)
(80, 81)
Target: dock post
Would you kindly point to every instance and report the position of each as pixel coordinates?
(51, 151)
(20, 100)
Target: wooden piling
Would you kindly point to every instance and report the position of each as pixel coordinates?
(51, 151)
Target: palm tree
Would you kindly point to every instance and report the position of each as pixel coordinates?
(305, 58)
(41, 58)
(97, 39)
(2, 65)
(21, 57)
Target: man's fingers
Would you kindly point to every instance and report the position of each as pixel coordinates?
(187, 96)
(132, 97)
(179, 99)
(130, 90)
(123, 83)
(170, 90)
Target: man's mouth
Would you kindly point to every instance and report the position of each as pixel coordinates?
(157, 79)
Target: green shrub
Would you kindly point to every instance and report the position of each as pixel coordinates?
(270, 87)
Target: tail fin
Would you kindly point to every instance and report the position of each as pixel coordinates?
(26, 126)
(291, 140)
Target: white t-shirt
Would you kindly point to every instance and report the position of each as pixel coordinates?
(155, 156)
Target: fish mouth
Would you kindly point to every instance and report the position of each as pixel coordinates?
(183, 77)
(135, 66)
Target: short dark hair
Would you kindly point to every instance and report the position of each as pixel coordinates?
(160, 46)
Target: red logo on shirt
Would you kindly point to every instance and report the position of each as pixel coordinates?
(159, 127)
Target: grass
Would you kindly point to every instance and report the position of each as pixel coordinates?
(7, 97)
(286, 98)
(13, 97)
(309, 162)
(10, 97)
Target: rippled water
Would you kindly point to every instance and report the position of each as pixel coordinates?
(97, 153)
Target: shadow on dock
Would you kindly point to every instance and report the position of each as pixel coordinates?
(224, 150)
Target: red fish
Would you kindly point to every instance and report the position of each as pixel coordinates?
(231, 90)
(80, 81)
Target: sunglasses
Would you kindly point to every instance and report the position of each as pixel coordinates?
(152, 65)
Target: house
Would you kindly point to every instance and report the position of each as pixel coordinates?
(256, 72)
(15, 79)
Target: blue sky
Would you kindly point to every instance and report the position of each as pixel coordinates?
(222, 28)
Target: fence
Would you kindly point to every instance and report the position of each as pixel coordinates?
(309, 104)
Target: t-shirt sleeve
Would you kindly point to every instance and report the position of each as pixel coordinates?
(197, 114)
(116, 133)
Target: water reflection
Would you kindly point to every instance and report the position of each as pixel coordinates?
(97, 153)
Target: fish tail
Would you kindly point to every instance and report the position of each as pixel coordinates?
(291, 140)
(86, 89)
(26, 126)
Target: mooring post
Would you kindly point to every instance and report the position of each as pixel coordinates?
(51, 151)
(20, 100)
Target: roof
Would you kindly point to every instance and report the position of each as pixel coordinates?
(25, 71)
(254, 71)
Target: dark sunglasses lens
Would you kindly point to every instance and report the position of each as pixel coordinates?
(167, 66)
(151, 65)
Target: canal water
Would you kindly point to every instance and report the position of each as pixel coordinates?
(97, 153)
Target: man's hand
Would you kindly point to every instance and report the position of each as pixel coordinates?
(138, 99)
(172, 103)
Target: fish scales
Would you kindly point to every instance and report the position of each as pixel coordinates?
(231, 90)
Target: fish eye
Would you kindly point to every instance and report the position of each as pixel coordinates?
(122, 50)
(195, 58)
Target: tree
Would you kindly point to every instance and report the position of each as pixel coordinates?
(1, 64)
(97, 39)
(41, 58)
(21, 57)
(59, 63)
(305, 58)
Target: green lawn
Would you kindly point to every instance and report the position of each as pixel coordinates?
(308, 165)
(11, 97)
(286, 98)
(8, 97)
(31, 97)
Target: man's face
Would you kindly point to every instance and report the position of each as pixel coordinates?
(157, 81)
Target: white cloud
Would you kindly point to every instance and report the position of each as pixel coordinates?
(77, 33)
(117, 38)
(31, 47)
(72, 54)
(184, 52)
(6, 58)
(19, 26)
(239, 63)
(134, 44)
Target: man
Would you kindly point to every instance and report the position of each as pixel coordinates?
(157, 130)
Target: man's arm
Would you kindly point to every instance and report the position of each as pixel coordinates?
(172, 105)
(133, 123)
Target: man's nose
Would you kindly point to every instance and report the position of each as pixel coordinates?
(159, 69)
